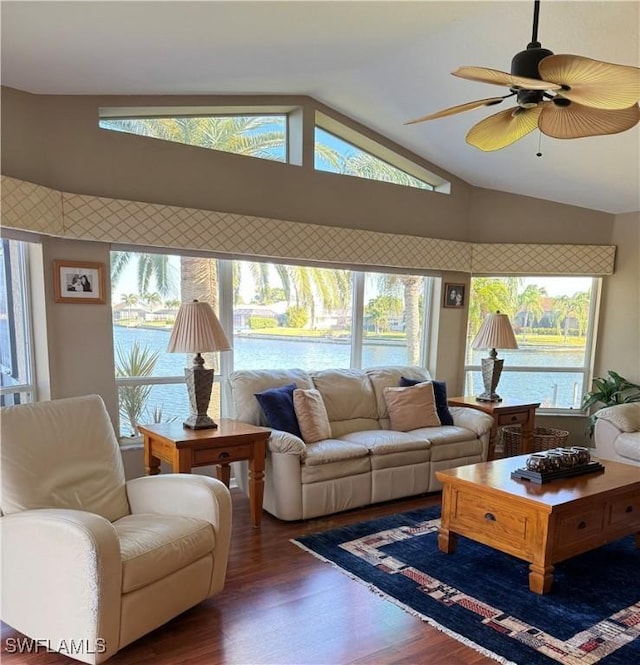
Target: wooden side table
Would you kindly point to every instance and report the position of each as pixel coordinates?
(232, 441)
(506, 412)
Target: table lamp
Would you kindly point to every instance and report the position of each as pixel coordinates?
(495, 333)
(197, 330)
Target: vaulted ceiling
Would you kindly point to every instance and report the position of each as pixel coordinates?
(381, 63)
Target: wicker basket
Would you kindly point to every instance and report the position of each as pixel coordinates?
(544, 438)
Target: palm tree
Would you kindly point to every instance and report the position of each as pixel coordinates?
(150, 268)
(129, 299)
(151, 299)
(531, 304)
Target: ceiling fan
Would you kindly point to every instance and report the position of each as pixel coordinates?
(565, 96)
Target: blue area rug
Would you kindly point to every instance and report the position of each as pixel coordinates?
(481, 596)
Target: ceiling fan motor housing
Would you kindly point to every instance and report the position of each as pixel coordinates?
(525, 64)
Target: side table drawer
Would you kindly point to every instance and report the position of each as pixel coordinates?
(221, 455)
(513, 418)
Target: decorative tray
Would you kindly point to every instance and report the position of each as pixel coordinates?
(541, 477)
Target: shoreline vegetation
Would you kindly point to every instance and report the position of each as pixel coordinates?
(548, 342)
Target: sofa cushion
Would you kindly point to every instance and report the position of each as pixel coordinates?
(334, 450)
(440, 392)
(277, 404)
(389, 377)
(154, 546)
(412, 407)
(628, 445)
(384, 441)
(245, 383)
(347, 394)
(311, 414)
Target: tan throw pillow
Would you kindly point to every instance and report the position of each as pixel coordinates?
(311, 414)
(412, 407)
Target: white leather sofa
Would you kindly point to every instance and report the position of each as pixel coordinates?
(617, 433)
(363, 462)
(91, 562)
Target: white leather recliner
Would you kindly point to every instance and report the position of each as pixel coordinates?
(90, 562)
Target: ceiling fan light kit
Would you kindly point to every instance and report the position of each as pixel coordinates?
(564, 96)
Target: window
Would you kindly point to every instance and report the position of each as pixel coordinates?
(147, 292)
(393, 323)
(342, 149)
(261, 136)
(16, 358)
(338, 156)
(281, 316)
(552, 318)
(291, 316)
(275, 133)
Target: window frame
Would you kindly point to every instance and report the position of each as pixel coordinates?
(26, 389)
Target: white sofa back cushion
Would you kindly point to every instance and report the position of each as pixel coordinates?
(349, 399)
(246, 383)
(78, 464)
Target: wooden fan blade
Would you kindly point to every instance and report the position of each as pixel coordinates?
(458, 109)
(502, 129)
(576, 121)
(593, 83)
(495, 76)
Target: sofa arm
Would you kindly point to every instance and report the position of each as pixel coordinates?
(626, 417)
(286, 443)
(477, 421)
(189, 495)
(61, 579)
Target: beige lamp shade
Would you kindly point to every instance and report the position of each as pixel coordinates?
(197, 330)
(495, 333)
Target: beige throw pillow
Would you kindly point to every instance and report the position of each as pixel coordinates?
(311, 414)
(412, 407)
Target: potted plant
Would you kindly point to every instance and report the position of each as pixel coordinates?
(614, 389)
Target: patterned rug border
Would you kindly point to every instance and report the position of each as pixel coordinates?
(406, 608)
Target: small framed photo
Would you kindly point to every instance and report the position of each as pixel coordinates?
(79, 282)
(453, 295)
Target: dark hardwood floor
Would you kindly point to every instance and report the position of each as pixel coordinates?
(281, 605)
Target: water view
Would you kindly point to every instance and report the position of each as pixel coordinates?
(256, 352)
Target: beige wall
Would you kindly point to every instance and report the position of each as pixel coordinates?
(55, 141)
(619, 325)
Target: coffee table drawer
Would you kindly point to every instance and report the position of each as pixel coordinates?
(484, 516)
(625, 510)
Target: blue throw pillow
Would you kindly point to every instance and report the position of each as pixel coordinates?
(277, 404)
(440, 394)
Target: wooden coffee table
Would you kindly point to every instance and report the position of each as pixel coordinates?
(542, 524)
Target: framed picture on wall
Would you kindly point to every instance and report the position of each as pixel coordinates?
(79, 282)
(453, 295)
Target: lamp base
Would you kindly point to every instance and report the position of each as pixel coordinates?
(491, 370)
(200, 422)
(486, 397)
(199, 383)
